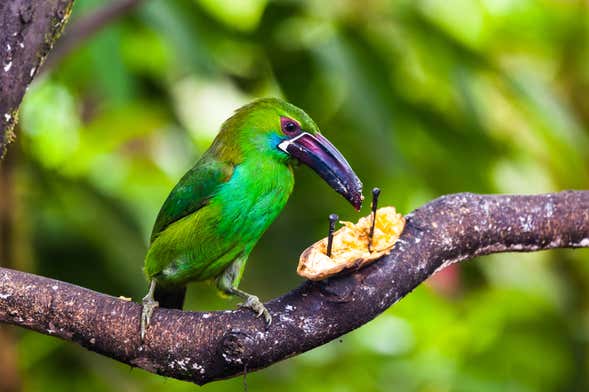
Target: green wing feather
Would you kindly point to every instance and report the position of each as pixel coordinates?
(192, 192)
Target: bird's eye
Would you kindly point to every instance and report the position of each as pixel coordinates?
(289, 126)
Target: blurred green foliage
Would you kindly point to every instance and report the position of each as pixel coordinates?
(423, 97)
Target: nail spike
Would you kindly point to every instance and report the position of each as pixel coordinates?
(333, 218)
(374, 207)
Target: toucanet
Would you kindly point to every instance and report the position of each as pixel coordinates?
(218, 211)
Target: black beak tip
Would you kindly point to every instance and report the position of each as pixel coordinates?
(357, 200)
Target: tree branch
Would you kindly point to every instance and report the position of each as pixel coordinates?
(29, 29)
(202, 347)
(86, 26)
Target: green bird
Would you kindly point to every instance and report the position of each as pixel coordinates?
(220, 208)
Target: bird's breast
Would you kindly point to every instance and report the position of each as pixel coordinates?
(252, 199)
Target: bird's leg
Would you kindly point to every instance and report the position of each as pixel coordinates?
(228, 282)
(149, 304)
(254, 303)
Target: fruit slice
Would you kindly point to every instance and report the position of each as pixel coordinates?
(350, 245)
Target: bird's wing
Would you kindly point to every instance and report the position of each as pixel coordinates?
(192, 192)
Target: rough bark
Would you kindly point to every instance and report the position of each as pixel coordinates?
(28, 30)
(202, 347)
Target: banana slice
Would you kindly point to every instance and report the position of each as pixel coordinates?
(350, 245)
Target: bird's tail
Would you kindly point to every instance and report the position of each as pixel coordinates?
(170, 297)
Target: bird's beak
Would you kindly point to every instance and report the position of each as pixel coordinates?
(315, 151)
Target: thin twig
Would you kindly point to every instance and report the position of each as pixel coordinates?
(86, 26)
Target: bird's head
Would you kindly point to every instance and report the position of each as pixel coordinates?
(286, 133)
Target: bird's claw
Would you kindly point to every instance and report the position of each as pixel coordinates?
(252, 302)
(149, 306)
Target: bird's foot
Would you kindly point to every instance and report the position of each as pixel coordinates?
(252, 302)
(149, 305)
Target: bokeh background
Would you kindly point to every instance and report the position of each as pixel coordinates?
(423, 97)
